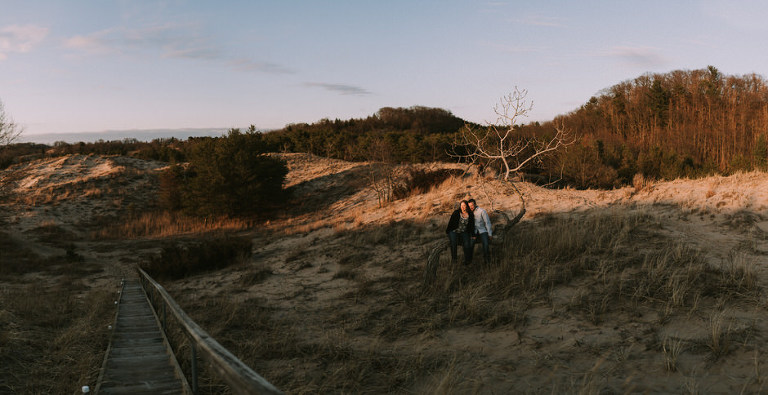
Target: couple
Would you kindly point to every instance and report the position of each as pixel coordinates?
(471, 224)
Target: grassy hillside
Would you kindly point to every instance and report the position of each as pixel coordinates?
(655, 287)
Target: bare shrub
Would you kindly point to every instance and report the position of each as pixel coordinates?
(640, 183)
(51, 232)
(16, 259)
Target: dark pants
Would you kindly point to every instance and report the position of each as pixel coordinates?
(483, 238)
(466, 242)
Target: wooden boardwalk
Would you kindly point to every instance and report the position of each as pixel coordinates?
(138, 360)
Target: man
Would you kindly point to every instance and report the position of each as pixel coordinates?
(483, 229)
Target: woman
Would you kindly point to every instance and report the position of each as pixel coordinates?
(461, 226)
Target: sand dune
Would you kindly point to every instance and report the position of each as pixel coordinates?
(336, 278)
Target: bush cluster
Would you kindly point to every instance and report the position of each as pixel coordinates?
(177, 261)
(419, 181)
(228, 176)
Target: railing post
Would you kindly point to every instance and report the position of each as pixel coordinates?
(193, 353)
(234, 372)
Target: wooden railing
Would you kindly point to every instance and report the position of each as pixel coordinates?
(240, 378)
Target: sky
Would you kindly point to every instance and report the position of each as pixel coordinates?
(134, 65)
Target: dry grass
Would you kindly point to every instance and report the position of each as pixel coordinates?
(640, 183)
(719, 332)
(165, 224)
(598, 254)
(621, 300)
(672, 349)
(290, 360)
(17, 259)
(53, 340)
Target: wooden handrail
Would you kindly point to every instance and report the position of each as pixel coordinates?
(241, 378)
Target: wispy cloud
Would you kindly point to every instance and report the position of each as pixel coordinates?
(639, 56)
(20, 38)
(170, 40)
(340, 88)
(183, 41)
(264, 67)
(544, 21)
(95, 42)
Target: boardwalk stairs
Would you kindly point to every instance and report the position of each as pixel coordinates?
(139, 359)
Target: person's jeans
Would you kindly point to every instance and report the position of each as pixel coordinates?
(483, 238)
(466, 243)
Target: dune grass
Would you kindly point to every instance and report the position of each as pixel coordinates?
(607, 262)
(385, 330)
(162, 224)
(53, 337)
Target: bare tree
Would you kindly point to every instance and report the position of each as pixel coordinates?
(381, 171)
(502, 143)
(9, 130)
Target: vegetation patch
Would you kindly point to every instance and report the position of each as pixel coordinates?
(178, 260)
(168, 224)
(53, 337)
(419, 181)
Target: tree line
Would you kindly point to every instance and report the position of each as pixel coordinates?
(685, 123)
(402, 135)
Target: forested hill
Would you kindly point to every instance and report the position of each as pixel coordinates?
(415, 134)
(682, 123)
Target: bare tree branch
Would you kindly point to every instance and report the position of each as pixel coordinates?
(501, 142)
(9, 130)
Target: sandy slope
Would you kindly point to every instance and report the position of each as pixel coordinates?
(555, 352)
(306, 252)
(52, 204)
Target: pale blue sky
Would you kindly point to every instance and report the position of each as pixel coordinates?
(88, 66)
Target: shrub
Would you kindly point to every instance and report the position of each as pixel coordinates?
(178, 261)
(170, 188)
(419, 181)
(230, 176)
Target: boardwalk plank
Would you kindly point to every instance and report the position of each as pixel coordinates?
(139, 361)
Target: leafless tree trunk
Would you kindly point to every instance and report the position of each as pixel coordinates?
(502, 142)
(380, 178)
